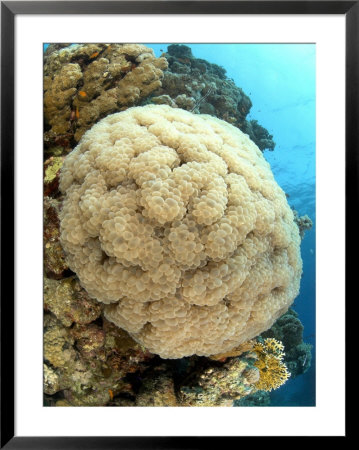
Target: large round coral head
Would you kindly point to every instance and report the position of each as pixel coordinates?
(175, 222)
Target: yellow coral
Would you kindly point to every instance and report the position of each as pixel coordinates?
(54, 166)
(273, 371)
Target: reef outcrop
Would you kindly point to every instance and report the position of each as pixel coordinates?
(83, 83)
(199, 86)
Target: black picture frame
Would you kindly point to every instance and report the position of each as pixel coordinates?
(9, 10)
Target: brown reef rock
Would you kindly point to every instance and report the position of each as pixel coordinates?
(85, 82)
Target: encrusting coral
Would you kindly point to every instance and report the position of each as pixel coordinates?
(174, 220)
(54, 258)
(85, 82)
(87, 364)
(219, 386)
(69, 302)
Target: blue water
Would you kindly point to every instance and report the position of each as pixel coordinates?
(280, 80)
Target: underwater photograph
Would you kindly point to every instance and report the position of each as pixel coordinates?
(179, 208)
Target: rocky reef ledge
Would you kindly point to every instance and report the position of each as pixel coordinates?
(199, 86)
(85, 82)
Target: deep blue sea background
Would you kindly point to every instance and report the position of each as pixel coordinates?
(280, 81)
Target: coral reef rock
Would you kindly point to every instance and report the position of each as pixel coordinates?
(51, 174)
(304, 223)
(257, 398)
(175, 222)
(219, 385)
(289, 330)
(199, 86)
(87, 365)
(83, 83)
(69, 302)
(157, 389)
(55, 263)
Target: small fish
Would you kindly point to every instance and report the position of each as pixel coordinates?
(82, 94)
(161, 50)
(77, 113)
(111, 394)
(72, 115)
(94, 55)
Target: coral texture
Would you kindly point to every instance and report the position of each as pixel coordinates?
(174, 220)
(218, 386)
(87, 364)
(199, 86)
(54, 258)
(69, 302)
(289, 330)
(158, 389)
(83, 83)
(257, 398)
(304, 223)
(272, 370)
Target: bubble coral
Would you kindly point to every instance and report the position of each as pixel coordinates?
(273, 371)
(175, 222)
